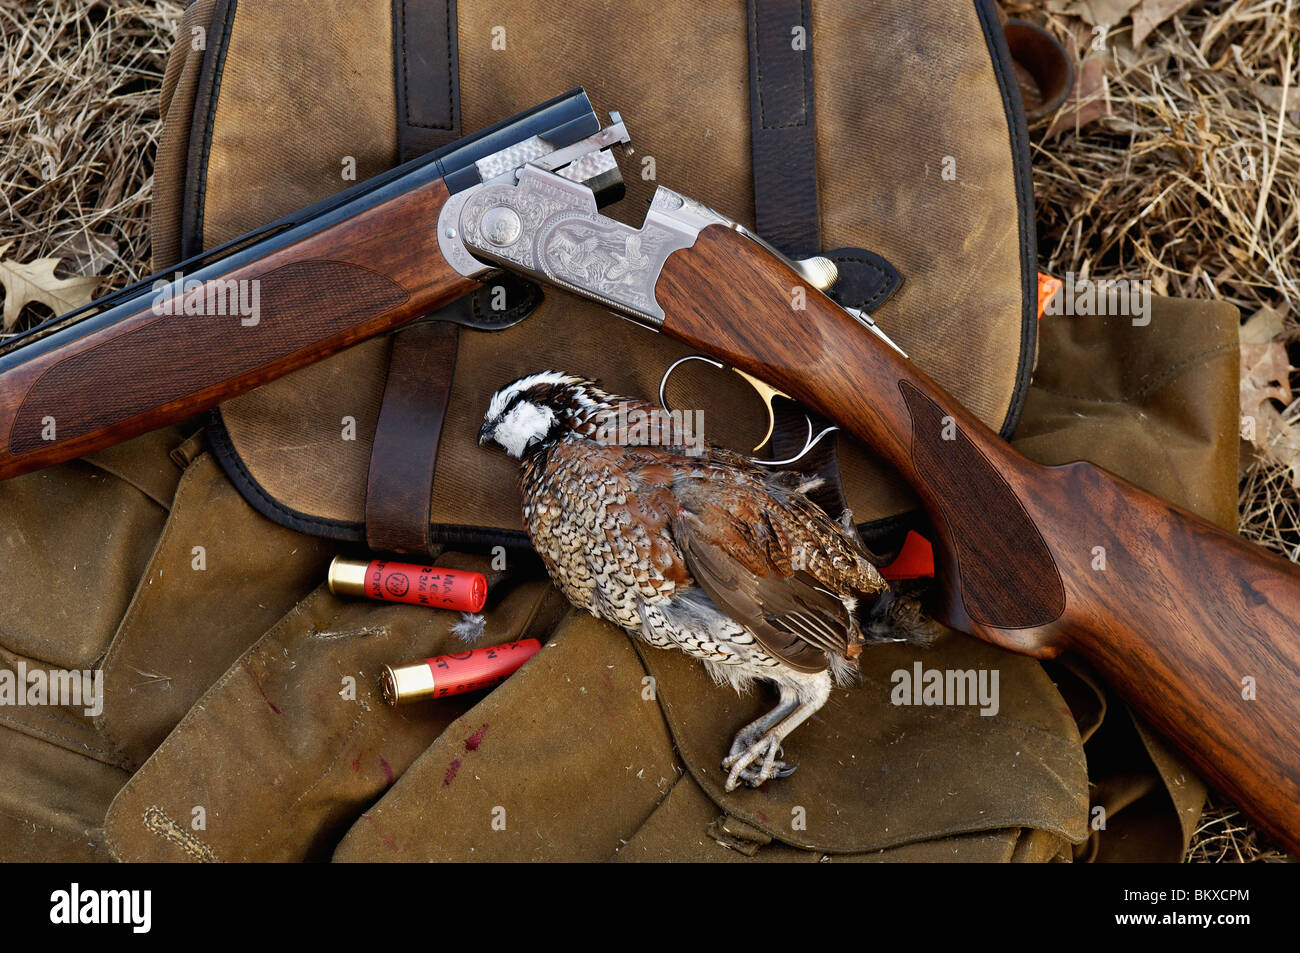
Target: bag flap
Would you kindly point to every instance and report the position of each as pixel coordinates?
(592, 729)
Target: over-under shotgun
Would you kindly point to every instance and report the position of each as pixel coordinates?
(1195, 627)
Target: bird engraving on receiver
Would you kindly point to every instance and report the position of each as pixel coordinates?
(689, 546)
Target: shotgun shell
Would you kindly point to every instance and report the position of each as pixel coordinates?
(407, 582)
(455, 674)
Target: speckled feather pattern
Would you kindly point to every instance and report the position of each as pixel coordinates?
(606, 518)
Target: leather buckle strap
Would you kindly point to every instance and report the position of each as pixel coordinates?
(426, 75)
(422, 362)
(405, 451)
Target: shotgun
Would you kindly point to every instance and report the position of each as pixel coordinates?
(1192, 625)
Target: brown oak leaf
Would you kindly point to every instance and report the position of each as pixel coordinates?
(1094, 12)
(25, 282)
(1149, 14)
(1266, 377)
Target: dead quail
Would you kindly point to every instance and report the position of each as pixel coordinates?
(694, 547)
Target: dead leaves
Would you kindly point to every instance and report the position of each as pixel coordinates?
(29, 282)
(1146, 14)
(1265, 378)
(79, 129)
(1088, 100)
(1151, 13)
(1265, 367)
(1089, 23)
(1094, 12)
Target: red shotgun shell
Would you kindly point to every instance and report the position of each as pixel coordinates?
(457, 673)
(408, 582)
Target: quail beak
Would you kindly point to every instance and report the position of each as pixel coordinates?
(484, 433)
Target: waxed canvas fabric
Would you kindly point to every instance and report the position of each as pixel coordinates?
(223, 684)
(253, 729)
(293, 742)
(937, 784)
(891, 116)
(860, 758)
(180, 87)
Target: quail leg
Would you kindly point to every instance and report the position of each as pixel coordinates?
(746, 736)
(766, 747)
(762, 738)
(749, 737)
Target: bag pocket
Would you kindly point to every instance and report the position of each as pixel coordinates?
(593, 751)
(294, 741)
(76, 540)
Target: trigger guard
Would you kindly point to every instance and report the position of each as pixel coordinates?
(663, 381)
(765, 391)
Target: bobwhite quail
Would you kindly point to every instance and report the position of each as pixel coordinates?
(694, 547)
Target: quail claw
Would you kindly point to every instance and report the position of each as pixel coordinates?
(741, 763)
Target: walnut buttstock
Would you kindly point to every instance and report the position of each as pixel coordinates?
(103, 381)
(1195, 627)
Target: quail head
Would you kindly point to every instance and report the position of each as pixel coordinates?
(694, 547)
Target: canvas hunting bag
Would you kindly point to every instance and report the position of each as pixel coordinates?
(909, 169)
(223, 684)
(726, 104)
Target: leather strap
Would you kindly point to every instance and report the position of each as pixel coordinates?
(404, 456)
(405, 451)
(783, 143)
(423, 358)
(784, 147)
(426, 75)
(782, 131)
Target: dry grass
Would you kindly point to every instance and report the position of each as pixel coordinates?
(79, 125)
(1192, 182)
(1225, 836)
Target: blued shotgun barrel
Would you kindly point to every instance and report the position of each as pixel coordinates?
(1195, 627)
(358, 264)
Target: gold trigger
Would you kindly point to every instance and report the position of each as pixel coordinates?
(766, 392)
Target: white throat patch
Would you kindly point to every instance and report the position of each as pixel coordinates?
(525, 423)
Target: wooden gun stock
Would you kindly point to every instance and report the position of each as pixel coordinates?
(1182, 615)
(363, 276)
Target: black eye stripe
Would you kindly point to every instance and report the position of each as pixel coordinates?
(544, 394)
(510, 405)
